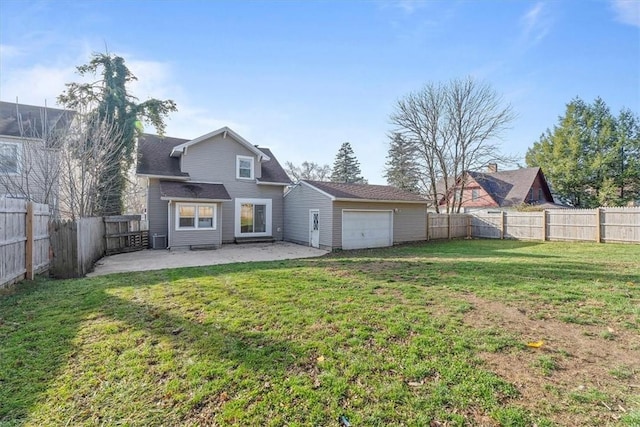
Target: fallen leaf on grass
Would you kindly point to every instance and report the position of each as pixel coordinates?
(320, 359)
(535, 344)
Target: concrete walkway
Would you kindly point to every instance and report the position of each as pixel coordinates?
(159, 259)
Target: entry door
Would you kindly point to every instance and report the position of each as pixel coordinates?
(314, 228)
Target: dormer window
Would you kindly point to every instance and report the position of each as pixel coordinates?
(244, 167)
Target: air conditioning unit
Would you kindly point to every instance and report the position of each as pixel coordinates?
(159, 241)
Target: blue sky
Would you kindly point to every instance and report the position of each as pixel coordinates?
(304, 77)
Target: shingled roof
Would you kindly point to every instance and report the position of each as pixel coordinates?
(366, 192)
(154, 158)
(192, 191)
(510, 188)
(31, 121)
(272, 171)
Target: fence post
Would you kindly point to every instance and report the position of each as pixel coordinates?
(29, 243)
(468, 226)
(449, 225)
(502, 224)
(598, 225)
(428, 226)
(544, 225)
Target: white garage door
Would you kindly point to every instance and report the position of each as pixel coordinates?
(366, 229)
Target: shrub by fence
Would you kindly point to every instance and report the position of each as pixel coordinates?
(24, 240)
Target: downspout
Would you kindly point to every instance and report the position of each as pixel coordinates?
(168, 224)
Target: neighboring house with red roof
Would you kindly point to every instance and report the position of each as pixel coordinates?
(332, 215)
(214, 189)
(499, 189)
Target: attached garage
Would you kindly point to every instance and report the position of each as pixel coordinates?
(366, 229)
(333, 215)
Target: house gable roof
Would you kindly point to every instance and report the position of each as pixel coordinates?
(224, 131)
(272, 171)
(31, 121)
(154, 156)
(154, 159)
(510, 188)
(339, 191)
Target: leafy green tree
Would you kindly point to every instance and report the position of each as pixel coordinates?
(109, 101)
(401, 168)
(590, 158)
(346, 167)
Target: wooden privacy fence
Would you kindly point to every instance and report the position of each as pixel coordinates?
(448, 226)
(76, 246)
(621, 225)
(123, 233)
(24, 240)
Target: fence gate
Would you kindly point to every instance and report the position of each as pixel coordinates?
(124, 234)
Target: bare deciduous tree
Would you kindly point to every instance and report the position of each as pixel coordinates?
(453, 128)
(93, 146)
(31, 171)
(308, 170)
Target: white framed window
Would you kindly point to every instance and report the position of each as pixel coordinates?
(253, 217)
(474, 194)
(244, 167)
(9, 158)
(196, 216)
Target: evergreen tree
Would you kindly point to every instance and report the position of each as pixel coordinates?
(346, 167)
(401, 168)
(591, 157)
(111, 103)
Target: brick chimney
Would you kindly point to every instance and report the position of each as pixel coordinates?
(492, 168)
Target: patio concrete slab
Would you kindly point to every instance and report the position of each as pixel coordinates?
(159, 259)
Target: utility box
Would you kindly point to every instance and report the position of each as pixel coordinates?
(159, 241)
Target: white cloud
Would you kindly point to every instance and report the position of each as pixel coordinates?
(35, 85)
(627, 11)
(8, 51)
(407, 6)
(536, 23)
(42, 83)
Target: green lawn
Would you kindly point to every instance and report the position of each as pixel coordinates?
(431, 334)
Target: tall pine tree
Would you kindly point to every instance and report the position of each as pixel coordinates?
(111, 103)
(401, 169)
(591, 157)
(346, 167)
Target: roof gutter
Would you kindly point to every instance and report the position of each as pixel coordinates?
(273, 183)
(191, 199)
(418, 202)
(150, 175)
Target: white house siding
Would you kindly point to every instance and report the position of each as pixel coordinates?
(184, 239)
(409, 221)
(215, 161)
(156, 211)
(297, 204)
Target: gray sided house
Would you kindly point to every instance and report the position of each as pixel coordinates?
(30, 137)
(215, 189)
(332, 215)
